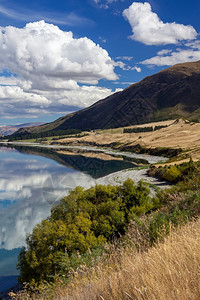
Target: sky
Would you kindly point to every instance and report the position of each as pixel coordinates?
(60, 56)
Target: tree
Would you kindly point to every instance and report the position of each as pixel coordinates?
(83, 220)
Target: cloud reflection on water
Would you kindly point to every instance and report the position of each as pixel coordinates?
(28, 188)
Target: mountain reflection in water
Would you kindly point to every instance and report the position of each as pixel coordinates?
(93, 163)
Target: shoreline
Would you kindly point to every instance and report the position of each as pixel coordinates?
(135, 175)
(152, 159)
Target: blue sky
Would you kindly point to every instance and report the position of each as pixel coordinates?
(60, 56)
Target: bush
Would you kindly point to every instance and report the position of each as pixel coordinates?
(171, 208)
(83, 220)
(186, 173)
(172, 174)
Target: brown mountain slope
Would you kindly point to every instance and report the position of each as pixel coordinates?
(171, 93)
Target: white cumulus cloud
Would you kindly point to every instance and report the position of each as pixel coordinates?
(84, 96)
(15, 102)
(190, 53)
(50, 68)
(150, 30)
(42, 49)
(16, 93)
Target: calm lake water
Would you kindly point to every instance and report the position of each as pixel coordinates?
(32, 179)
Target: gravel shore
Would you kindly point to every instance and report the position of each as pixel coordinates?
(134, 174)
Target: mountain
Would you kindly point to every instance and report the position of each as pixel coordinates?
(171, 93)
(10, 129)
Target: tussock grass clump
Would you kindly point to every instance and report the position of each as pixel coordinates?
(169, 270)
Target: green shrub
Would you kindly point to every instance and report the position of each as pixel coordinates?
(83, 220)
(175, 208)
(172, 174)
(187, 173)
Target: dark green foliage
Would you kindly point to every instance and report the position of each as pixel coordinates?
(138, 129)
(188, 173)
(157, 127)
(37, 135)
(173, 206)
(76, 262)
(83, 220)
(160, 151)
(143, 129)
(175, 209)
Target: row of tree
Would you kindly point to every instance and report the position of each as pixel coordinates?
(143, 129)
(45, 134)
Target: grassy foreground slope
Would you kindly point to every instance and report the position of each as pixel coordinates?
(144, 264)
(170, 270)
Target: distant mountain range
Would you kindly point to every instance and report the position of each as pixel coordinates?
(171, 93)
(10, 129)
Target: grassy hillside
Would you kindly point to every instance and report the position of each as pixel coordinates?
(170, 270)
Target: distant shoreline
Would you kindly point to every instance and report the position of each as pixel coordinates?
(150, 158)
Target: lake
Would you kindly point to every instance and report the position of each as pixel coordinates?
(32, 179)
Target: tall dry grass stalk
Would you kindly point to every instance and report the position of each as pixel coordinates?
(170, 270)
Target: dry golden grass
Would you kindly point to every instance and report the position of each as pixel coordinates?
(171, 270)
(181, 134)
